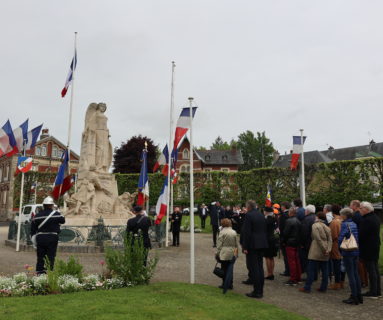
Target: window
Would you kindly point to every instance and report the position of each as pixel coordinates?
(54, 152)
(185, 168)
(5, 197)
(59, 154)
(38, 151)
(207, 157)
(6, 173)
(44, 150)
(225, 169)
(207, 169)
(224, 157)
(185, 154)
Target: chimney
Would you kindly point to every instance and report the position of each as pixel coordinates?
(44, 133)
(275, 155)
(372, 145)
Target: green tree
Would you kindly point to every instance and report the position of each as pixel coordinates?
(127, 158)
(219, 144)
(257, 151)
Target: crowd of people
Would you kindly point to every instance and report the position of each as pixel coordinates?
(314, 242)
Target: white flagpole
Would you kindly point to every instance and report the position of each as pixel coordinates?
(20, 206)
(191, 208)
(36, 192)
(303, 187)
(170, 155)
(71, 102)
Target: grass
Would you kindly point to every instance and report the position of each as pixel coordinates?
(157, 301)
(197, 223)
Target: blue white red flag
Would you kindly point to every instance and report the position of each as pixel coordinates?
(69, 78)
(143, 181)
(162, 203)
(21, 135)
(268, 197)
(297, 150)
(61, 184)
(183, 125)
(8, 143)
(24, 164)
(163, 160)
(32, 137)
(33, 186)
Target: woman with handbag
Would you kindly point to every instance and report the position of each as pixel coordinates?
(227, 252)
(348, 242)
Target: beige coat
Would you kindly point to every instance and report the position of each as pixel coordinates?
(227, 244)
(321, 242)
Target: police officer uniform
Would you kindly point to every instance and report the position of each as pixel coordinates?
(176, 221)
(47, 234)
(138, 227)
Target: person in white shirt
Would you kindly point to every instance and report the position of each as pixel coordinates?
(327, 211)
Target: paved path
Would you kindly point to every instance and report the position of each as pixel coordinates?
(174, 266)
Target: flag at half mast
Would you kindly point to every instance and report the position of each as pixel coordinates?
(297, 151)
(143, 181)
(69, 78)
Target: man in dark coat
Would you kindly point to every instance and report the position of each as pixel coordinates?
(46, 234)
(285, 206)
(203, 213)
(369, 246)
(176, 219)
(307, 224)
(217, 213)
(138, 228)
(254, 241)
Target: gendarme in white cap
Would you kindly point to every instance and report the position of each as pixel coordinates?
(48, 200)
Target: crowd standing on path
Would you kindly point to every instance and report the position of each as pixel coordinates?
(312, 243)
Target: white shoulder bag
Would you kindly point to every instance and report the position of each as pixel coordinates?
(33, 238)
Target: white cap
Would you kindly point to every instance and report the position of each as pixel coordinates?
(48, 200)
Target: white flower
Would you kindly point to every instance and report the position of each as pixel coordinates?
(20, 277)
(68, 283)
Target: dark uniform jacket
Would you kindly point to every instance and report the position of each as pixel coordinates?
(307, 225)
(369, 238)
(176, 220)
(139, 227)
(216, 215)
(282, 223)
(292, 232)
(52, 225)
(253, 233)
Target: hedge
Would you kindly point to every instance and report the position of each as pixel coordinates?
(334, 182)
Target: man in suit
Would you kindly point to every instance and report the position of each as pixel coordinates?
(254, 241)
(216, 215)
(176, 219)
(203, 213)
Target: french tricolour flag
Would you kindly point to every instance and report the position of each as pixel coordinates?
(143, 181)
(69, 78)
(8, 143)
(24, 164)
(183, 125)
(63, 179)
(162, 203)
(162, 160)
(32, 137)
(21, 135)
(297, 150)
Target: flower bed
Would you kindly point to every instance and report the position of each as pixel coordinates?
(23, 285)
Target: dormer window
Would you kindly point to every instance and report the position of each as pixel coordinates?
(44, 150)
(186, 154)
(224, 157)
(207, 157)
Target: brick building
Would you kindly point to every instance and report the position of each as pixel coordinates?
(46, 158)
(208, 160)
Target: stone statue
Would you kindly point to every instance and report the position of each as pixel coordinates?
(97, 194)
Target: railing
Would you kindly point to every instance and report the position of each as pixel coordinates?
(98, 235)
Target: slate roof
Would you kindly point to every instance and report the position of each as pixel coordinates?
(220, 157)
(351, 153)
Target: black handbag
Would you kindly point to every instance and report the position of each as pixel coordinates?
(218, 271)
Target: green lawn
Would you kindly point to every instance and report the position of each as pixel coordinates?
(157, 301)
(197, 223)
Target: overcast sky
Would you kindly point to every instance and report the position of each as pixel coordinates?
(253, 65)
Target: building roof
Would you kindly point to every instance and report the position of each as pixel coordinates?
(373, 149)
(220, 157)
(58, 142)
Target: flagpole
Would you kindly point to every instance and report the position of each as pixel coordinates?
(36, 192)
(303, 187)
(71, 102)
(146, 165)
(191, 208)
(170, 155)
(20, 206)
